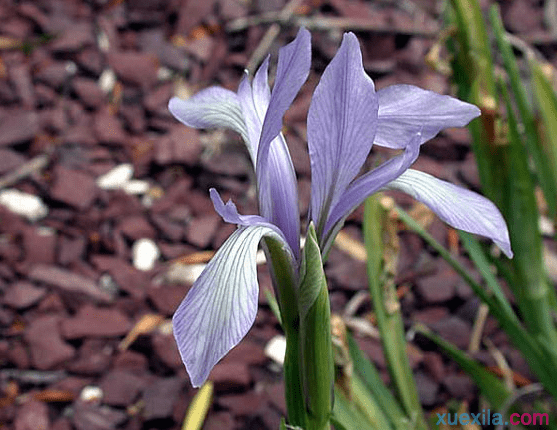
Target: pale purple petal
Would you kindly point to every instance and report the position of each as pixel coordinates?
(221, 306)
(254, 101)
(277, 187)
(211, 108)
(278, 193)
(405, 109)
(368, 184)
(229, 213)
(458, 207)
(292, 71)
(276, 178)
(342, 121)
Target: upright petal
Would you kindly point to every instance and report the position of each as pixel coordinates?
(366, 185)
(405, 109)
(292, 71)
(221, 306)
(458, 207)
(276, 187)
(211, 108)
(278, 193)
(342, 121)
(276, 178)
(254, 101)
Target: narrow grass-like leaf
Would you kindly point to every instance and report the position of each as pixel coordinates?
(369, 376)
(538, 357)
(474, 74)
(273, 304)
(347, 416)
(481, 262)
(445, 254)
(490, 386)
(368, 405)
(522, 216)
(547, 104)
(387, 310)
(545, 169)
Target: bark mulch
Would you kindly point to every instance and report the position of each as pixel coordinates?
(86, 294)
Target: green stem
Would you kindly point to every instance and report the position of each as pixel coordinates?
(285, 281)
(315, 337)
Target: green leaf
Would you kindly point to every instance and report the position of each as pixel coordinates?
(368, 405)
(347, 416)
(474, 73)
(537, 354)
(490, 386)
(273, 304)
(315, 336)
(286, 282)
(387, 308)
(369, 376)
(545, 169)
(530, 286)
(481, 262)
(547, 104)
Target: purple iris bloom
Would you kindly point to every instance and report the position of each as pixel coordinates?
(346, 118)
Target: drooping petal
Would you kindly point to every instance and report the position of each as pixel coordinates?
(211, 108)
(458, 207)
(405, 109)
(221, 306)
(342, 121)
(368, 184)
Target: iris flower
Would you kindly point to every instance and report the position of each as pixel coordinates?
(345, 119)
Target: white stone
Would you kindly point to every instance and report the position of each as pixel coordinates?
(546, 226)
(71, 68)
(91, 393)
(276, 348)
(184, 273)
(107, 80)
(164, 74)
(103, 42)
(165, 327)
(136, 186)
(116, 178)
(145, 252)
(24, 204)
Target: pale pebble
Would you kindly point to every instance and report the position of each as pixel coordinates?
(116, 178)
(145, 252)
(24, 204)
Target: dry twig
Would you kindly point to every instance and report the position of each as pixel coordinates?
(32, 166)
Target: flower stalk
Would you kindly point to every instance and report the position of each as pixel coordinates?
(315, 337)
(285, 284)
